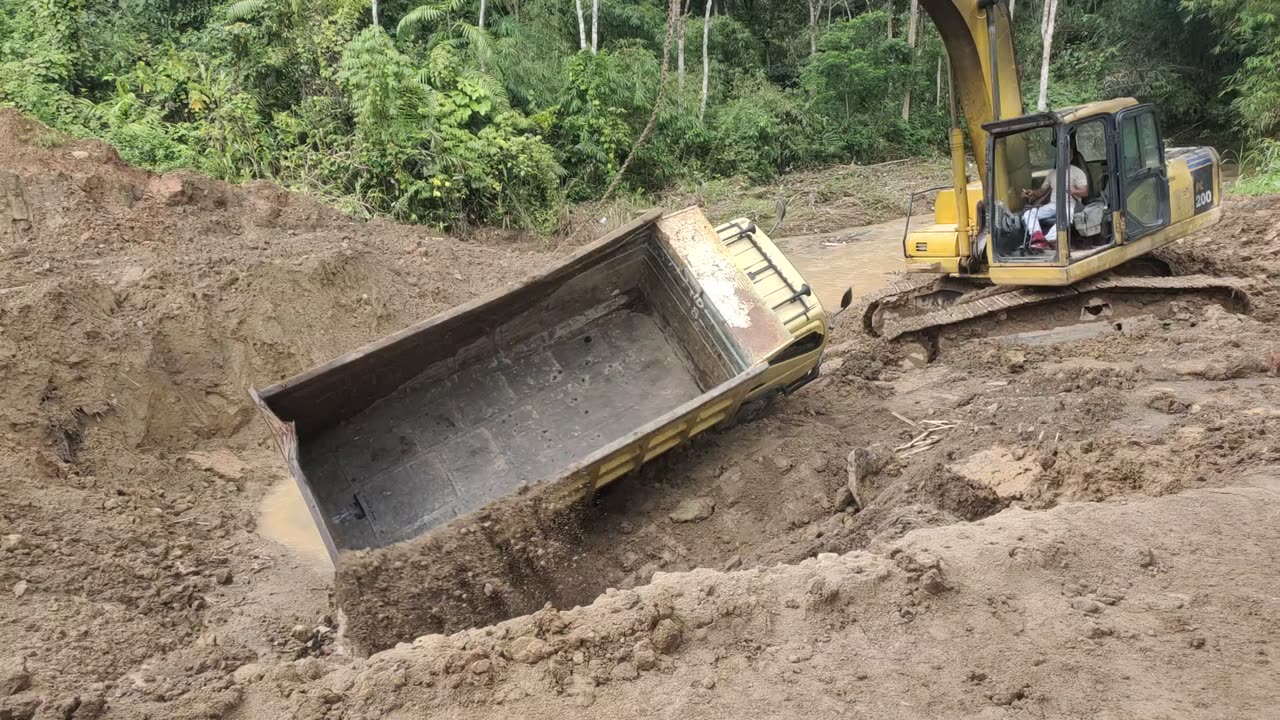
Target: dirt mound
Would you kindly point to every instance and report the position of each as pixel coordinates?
(136, 311)
(1105, 610)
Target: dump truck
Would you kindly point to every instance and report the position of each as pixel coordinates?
(663, 329)
(550, 389)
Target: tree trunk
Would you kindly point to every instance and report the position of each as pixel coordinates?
(1011, 9)
(1046, 32)
(684, 21)
(815, 13)
(912, 22)
(937, 87)
(582, 29)
(706, 59)
(888, 7)
(482, 9)
(595, 26)
(374, 11)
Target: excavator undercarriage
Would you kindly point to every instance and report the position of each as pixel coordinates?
(920, 305)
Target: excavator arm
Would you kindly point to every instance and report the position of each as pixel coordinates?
(986, 82)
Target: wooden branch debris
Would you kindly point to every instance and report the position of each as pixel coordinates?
(928, 436)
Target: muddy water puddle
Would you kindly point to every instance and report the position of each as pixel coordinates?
(283, 517)
(863, 257)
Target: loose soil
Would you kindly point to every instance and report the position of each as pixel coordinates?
(1091, 534)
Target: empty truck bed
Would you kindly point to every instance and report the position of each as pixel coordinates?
(562, 383)
(437, 449)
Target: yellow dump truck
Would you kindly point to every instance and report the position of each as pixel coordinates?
(570, 379)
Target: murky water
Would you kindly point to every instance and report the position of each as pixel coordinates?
(284, 518)
(864, 258)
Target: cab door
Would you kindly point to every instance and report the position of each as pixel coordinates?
(1143, 178)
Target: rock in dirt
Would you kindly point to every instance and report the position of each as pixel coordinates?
(644, 656)
(1227, 367)
(915, 355)
(933, 583)
(693, 510)
(666, 636)
(528, 650)
(1087, 606)
(12, 542)
(14, 677)
(251, 672)
(864, 463)
(1163, 400)
(843, 498)
(624, 671)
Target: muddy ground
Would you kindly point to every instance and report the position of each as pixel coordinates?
(1092, 534)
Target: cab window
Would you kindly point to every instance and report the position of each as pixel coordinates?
(803, 346)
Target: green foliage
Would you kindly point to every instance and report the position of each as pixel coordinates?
(430, 118)
(602, 109)
(1251, 30)
(758, 131)
(1261, 169)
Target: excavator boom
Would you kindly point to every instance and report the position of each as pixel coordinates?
(970, 30)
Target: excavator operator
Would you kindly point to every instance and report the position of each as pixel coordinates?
(1037, 209)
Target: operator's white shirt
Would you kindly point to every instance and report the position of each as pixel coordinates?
(1077, 180)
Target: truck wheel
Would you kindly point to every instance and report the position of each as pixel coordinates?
(749, 411)
(754, 410)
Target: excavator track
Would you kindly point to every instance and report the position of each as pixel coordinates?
(993, 300)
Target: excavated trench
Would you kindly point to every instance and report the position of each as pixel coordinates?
(780, 489)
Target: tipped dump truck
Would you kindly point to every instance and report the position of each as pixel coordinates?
(559, 385)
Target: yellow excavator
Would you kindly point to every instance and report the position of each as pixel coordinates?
(992, 249)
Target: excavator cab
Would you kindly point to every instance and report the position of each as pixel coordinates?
(1134, 196)
(1137, 196)
(1114, 163)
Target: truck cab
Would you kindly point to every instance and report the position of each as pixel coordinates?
(792, 300)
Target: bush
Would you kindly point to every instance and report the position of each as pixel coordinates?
(1260, 171)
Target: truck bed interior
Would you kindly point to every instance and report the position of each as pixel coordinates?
(533, 388)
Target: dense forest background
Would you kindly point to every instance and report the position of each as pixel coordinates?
(504, 111)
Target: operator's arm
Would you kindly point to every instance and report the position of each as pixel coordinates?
(1037, 195)
(1079, 183)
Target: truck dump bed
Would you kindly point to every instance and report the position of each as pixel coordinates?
(583, 372)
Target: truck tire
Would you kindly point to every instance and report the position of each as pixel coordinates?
(749, 411)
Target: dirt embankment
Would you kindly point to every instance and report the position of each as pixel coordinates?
(135, 311)
(1109, 610)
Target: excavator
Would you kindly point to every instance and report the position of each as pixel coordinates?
(991, 250)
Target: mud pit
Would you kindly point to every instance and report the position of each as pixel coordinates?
(135, 312)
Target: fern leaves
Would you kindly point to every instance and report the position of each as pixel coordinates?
(245, 10)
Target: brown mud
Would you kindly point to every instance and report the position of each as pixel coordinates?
(1037, 522)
